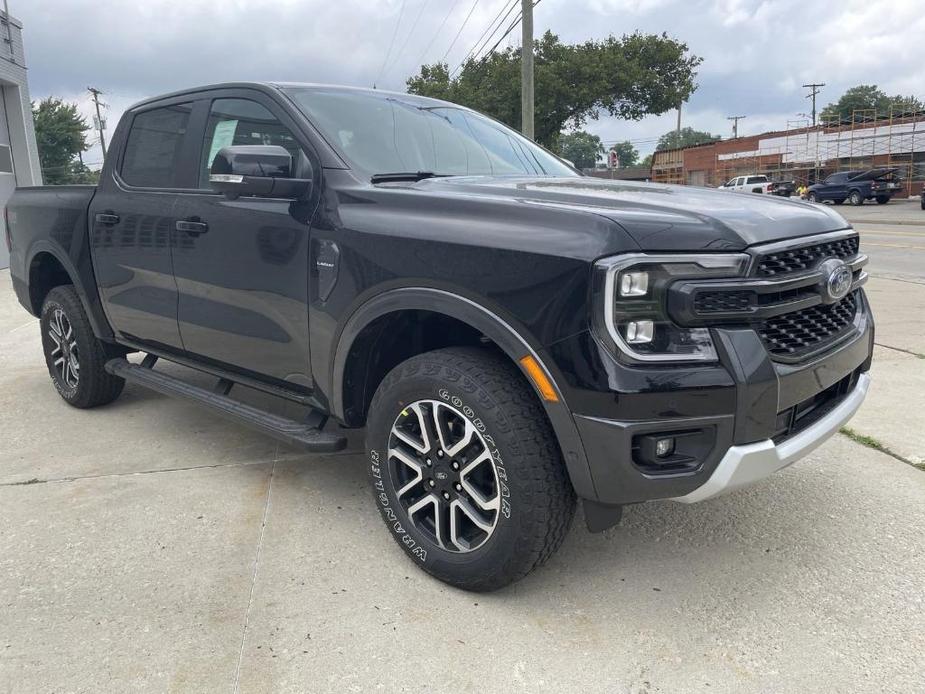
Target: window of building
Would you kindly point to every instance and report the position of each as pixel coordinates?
(6, 159)
(154, 146)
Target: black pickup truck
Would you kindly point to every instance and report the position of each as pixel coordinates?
(856, 187)
(512, 335)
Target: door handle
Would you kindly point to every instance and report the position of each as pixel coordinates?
(191, 227)
(107, 218)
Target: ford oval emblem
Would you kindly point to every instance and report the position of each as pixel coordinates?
(836, 281)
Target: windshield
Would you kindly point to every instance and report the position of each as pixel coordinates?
(390, 133)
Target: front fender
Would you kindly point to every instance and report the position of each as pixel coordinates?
(504, 332)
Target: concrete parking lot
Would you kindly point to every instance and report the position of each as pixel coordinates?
(149, 546)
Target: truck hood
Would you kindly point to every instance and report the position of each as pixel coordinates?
(659, 217)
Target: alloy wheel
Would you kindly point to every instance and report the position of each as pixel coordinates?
(444, 475)
(64, 353)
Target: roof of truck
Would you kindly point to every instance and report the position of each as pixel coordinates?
(276, 86)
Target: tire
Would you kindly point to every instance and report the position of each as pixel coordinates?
(855, 198)
(521, 480)
(883, 199)
(923, 202)
(839, 201)
(64, 322)
(812, 197)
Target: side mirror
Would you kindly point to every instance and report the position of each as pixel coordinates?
(256, 170)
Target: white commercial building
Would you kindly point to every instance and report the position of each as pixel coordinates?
(19, 157)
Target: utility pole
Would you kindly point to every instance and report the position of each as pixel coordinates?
(526, 76)
(735, 124)
(99, 118)
(678, 129)
(812, 95)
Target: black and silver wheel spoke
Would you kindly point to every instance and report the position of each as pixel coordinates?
(444, 475)
(64, 353)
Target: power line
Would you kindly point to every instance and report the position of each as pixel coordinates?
(461, 27)
(479, 45)
(504, 35)
(388, 54)
(414, 26)
(433, 38)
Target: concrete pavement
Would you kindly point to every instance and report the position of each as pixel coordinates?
(149, 546)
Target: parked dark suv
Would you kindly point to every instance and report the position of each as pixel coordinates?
(856, 187)
(511, 334)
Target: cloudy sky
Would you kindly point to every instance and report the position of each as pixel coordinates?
(757, 53)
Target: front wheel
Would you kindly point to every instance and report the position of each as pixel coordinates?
(466, 471)
(73, 354)
(812, 197)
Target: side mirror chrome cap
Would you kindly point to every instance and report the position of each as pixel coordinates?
(225, 178)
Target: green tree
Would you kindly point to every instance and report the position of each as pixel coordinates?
(687, 137)
(646, 161)
(870, 98)
(627, 155)
(60, 132)
(630, 77)
(581, 148)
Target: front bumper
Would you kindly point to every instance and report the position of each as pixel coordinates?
(744, 403)
(745, 465)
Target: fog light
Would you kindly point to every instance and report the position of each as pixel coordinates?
(634, 283)
(639, 331)
(664, 447)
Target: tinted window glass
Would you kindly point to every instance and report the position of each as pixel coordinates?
(837, 178)
(757, 179)
(153, 148)
(390, 133)
(241, 122)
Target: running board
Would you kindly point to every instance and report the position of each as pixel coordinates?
(304, 435)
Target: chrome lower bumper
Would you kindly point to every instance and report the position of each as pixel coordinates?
(744, 465)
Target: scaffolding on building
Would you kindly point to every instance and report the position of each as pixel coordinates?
(805, 154)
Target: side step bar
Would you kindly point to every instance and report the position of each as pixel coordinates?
(304, 435)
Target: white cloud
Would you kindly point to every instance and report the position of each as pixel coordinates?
(757, 53)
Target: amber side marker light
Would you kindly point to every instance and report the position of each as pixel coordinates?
(539, 378)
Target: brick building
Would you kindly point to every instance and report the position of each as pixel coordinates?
(805, 154)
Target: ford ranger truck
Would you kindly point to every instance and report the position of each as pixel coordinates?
(512, 335)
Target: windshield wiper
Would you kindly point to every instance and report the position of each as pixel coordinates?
(404, 176)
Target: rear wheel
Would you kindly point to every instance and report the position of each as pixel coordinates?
(75, 357)
(855, 198)
(883, 199)
(466, 470)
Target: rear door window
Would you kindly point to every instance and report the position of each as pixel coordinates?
(154, 146)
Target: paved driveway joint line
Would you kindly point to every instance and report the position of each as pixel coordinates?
(250, 597)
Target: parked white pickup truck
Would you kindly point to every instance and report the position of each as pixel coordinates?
(747, 184)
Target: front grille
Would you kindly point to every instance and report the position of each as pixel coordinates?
(800, 332)
(805, 258)
(722, 301)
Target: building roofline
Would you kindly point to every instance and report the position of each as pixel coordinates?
(11, 19)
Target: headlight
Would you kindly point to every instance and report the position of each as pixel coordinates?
(632, 304)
